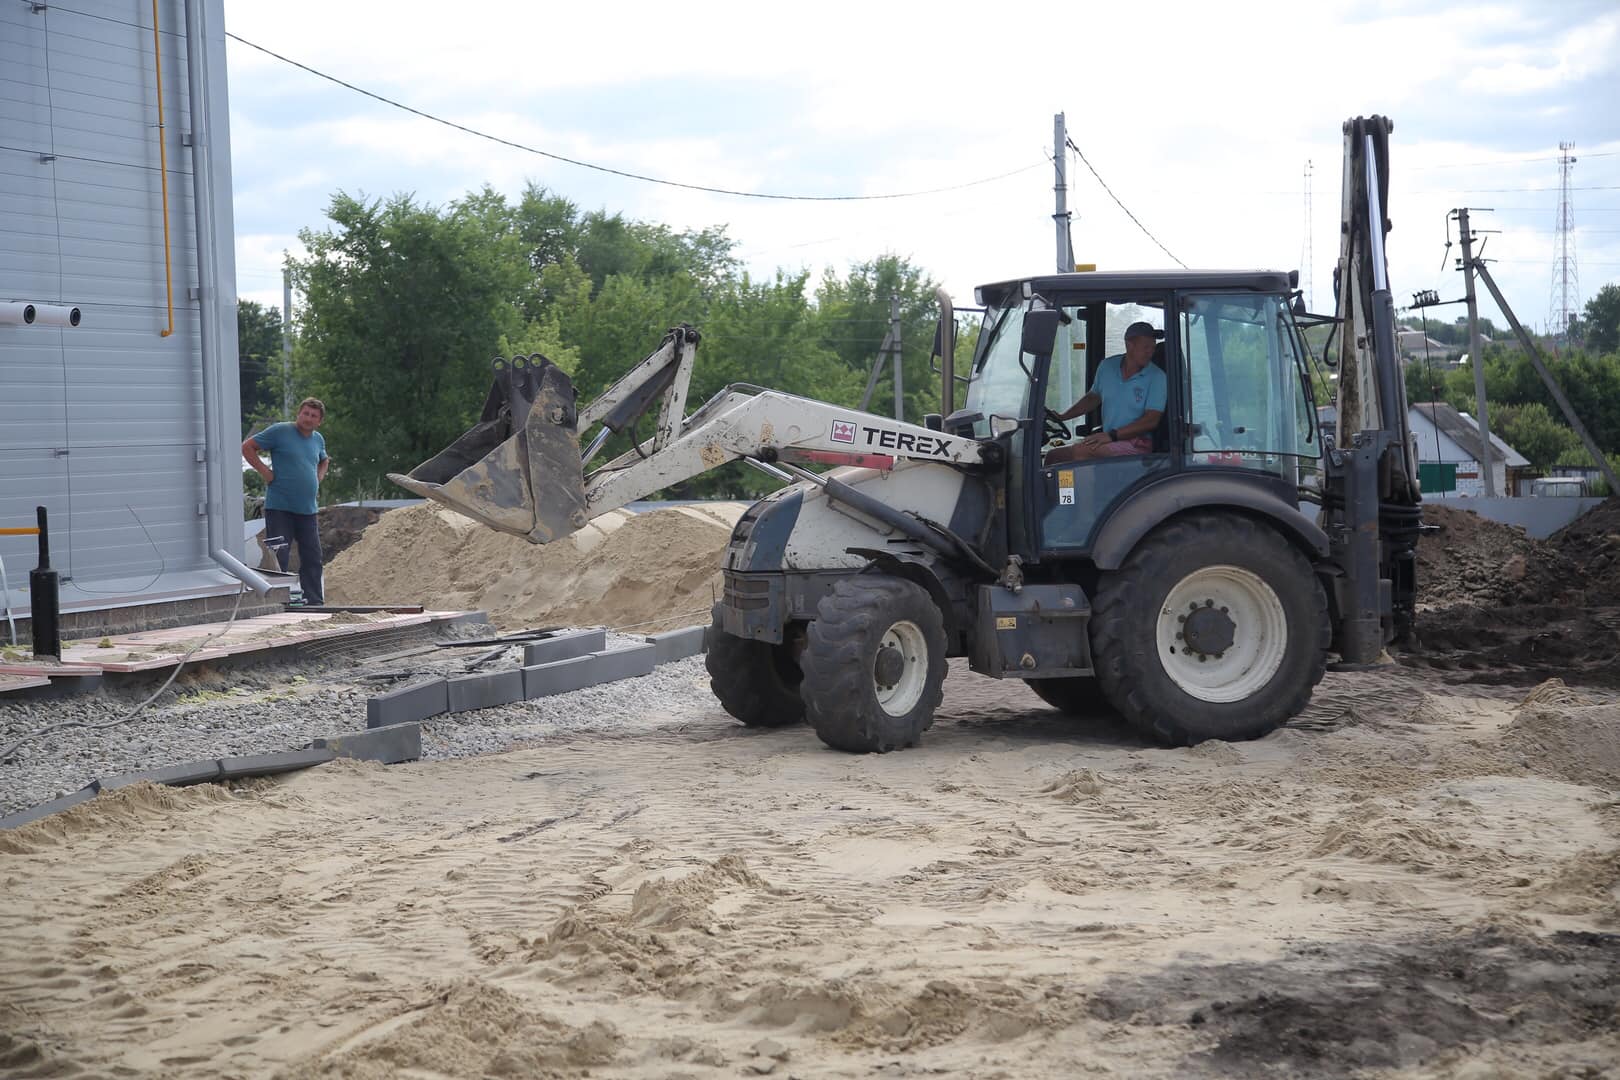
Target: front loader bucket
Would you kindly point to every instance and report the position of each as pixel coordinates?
(517, 469)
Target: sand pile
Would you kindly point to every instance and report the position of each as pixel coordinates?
(659, 569)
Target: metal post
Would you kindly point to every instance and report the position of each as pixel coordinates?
(44, 598)
(1476, 355)
(894, 357)
(286, 344)
(1060, 159)
(877, 370)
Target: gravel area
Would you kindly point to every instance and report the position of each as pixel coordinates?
(284, 705)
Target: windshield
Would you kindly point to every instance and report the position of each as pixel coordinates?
(1000, 385)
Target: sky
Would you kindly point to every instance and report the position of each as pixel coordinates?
(1201, 120)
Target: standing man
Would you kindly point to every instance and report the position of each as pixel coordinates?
(1131, 390)
(298, 464)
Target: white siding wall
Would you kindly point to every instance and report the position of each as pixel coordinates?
(103, 422)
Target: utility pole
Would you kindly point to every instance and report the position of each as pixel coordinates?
(894, 356)
(1476, 355)
(1566, 280)
(286, 344)
(1060, 160)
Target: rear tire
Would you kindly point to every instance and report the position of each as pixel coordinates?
(756, 681)
(874, 664)
(1247, 662)
(1076, 695)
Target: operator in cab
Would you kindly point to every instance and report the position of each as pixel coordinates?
(1131, 389)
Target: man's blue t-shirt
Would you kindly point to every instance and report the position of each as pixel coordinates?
(293, 458)
(1125, 400)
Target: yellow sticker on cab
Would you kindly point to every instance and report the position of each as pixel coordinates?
(1006, 622)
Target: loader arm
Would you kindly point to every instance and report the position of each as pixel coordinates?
(521, 470)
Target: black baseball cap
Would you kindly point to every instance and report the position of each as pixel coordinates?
(1142, 329)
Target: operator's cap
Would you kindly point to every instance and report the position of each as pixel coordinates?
(1142, 329)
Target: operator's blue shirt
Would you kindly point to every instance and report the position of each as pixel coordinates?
(1125, 400)
(293, 458)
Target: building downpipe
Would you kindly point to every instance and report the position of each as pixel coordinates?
(208, 322)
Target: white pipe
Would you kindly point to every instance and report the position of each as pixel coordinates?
(55, 315)
(208, 322)
(17, 313)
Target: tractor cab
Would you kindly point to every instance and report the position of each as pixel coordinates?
(1237, 401)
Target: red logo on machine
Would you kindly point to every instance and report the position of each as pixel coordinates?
(843, 431)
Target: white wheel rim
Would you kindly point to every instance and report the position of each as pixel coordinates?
(1259, 640)
(906, 637)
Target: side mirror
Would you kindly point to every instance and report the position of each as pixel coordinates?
(1040, 331)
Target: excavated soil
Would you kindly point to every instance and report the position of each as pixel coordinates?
(1497, 607)
(649, 571)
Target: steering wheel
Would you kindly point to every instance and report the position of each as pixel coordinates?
(1053, 429)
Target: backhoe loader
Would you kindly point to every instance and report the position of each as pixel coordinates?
(1199, 588)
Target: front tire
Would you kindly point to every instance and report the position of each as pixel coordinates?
(874, 664)
(1215, 628)
(756, 681)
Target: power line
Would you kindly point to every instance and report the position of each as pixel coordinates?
(621, 172)
(1121, 205)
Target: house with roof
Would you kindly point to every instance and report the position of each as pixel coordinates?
(1446, 437)
(1416, 345)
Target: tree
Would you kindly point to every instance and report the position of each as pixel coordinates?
(853, 316)
(404, 306)
(1532, 431)
(1601, 322)
(258, 364)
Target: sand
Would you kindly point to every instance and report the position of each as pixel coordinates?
(653, 571)
(1409, 881)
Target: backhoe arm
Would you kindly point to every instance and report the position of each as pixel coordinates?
(520, 469)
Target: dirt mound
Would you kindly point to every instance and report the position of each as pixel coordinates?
(1471, 559)
(1587, 551)
(655, 570)
(341, 527)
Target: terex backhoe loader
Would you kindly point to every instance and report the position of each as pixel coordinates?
(1184, 586)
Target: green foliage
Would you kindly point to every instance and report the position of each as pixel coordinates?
(1531, 430)
(259, 360)
(404, 305)
(1600, 325)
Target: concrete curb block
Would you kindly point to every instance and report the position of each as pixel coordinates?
(45, 810)
(563, 676)
(410, 705)
(192, 772)
(238, 768)
(389, 745)
(485, 691)
(564, 647)
(678, 644)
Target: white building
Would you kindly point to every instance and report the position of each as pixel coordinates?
(1446, 436)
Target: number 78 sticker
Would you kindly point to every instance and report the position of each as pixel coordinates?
(1065, 479)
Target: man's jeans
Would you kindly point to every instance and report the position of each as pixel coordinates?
(300, 529)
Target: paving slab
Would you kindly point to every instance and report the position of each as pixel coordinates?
(484, 691)
(409, 704)
(236, 768)
(677, 644)
(564, 647)
(391, 744)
